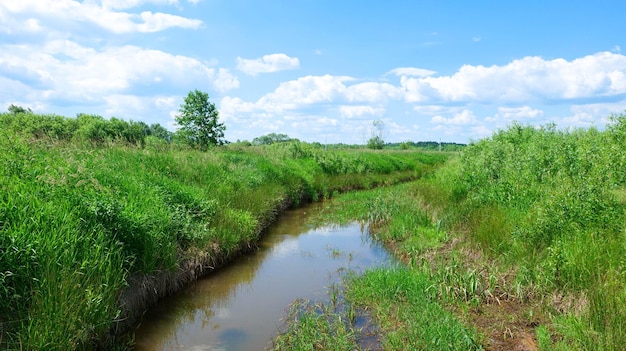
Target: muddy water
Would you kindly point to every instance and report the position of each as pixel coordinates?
(240, 307)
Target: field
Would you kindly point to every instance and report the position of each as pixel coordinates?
(95, 215)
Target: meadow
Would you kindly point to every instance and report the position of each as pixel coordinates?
(519, 242)
(94, 208)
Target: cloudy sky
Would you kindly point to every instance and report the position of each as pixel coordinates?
(321, 70)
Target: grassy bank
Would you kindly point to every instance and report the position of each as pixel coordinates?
(522, 238)
(85, 212)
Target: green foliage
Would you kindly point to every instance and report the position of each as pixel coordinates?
(198, 121)
(271, 139)
(14, 109)
(84, 128)
(375, 143)
(427, 146)
(408, 312)
(376, 140)
(547, 201)
(316, 327)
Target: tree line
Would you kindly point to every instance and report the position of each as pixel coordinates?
(197, 118)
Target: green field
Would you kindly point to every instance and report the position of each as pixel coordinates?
(92, 208)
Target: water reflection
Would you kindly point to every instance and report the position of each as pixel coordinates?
(240, 307)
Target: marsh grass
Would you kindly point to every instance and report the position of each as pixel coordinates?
(548, 205)
(527, 215)
(408, 312)
(316, 326)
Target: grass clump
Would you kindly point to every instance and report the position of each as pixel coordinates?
(316, 327)
(409, 314)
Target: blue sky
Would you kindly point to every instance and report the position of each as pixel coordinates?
(321, 70)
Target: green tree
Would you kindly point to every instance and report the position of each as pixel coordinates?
(198, 121)
(14, 109)
(376, 141)
(271, 139)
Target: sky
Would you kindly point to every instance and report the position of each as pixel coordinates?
(321, 70)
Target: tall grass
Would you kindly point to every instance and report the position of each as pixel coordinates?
(78, 218)
(546, 203)
(543, 207)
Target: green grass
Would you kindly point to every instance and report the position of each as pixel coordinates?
(316, 327)
(78, 218)
(408, 311)
(533, 216)
(547, 205)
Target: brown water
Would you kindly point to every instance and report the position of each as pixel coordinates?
(240, 307)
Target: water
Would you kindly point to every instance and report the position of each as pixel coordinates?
(240, 307)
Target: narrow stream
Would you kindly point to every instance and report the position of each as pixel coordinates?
(240, 307)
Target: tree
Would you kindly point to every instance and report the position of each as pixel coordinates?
(14, 109)
(271, 139)
(198, 121)
(376, 140)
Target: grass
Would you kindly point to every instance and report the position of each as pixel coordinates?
(78, 219)
(520, 237)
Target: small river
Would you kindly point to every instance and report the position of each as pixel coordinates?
(240, 307)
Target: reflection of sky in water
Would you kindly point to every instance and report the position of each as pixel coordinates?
(240, 307)
(288, 247)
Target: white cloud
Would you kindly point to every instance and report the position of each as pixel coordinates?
(515, 113)
(349, 111)
(63, 70)
(127, 4)
(465, 117)
(225, 81)
(372, 92)
(58, 13)
(526, 79)
(267, 64)
(411, 72)
(305, 91)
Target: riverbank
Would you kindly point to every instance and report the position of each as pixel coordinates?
(95, 233)
(519, 240)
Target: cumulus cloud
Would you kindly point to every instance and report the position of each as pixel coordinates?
(58, 13)
(526, 79)
(372, 92)
(411, 72)
(350, 111)
(267, 64)
(66, 71)
(464, 117)
(127, 4)
(515, 113)
(225, 81)
(305, 91)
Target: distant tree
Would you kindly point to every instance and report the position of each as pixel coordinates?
(14, 109)
(377, 132)
(271, 139)
(160, 132)
(198, 121)
(405, 145)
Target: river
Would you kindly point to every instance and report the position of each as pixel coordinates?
(240, 307)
